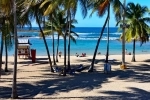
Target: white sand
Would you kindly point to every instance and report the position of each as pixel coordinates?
(36, 81)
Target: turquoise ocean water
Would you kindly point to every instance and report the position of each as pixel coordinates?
(85, 43)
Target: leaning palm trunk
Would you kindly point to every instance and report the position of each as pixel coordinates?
(6, 56)
(123, 40)
(1, 53)
(107, 53)
(7, 39)
(57, 48)
(53, 44)
(133, 57)
(69, 41)
(44, 42)
(64, 73)
(95, 52)
(14, 84)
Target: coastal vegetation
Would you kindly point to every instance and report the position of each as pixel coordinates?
(59, 16)
(138, 28)
(101, 6)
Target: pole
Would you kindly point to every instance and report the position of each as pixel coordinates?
(123, 66)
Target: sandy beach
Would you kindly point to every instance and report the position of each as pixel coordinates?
(34, 80)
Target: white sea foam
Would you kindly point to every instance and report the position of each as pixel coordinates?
(35, 37)
(117, 33)
(110, 38)
(80, 38)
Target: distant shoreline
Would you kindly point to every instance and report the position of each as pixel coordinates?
(85, 43)
(23, 30)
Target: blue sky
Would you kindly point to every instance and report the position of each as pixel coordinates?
(95, 21)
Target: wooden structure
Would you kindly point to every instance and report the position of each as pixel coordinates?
(24, 48)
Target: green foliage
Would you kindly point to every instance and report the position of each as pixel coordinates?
(138, 24)
(7, 34)
(101, 6)
(58, 25)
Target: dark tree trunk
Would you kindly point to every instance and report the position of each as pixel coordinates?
(54, 51)
(57, 49)
(64, 72)
(107, 53)
(44, 42)
(123, 66)
(53, 42)
(95, 52)
(6, 56)
(1, 49)
(133, 57)
(69, 41)
(1, 53)
(14, 84)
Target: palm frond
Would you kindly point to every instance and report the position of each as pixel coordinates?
(102, 7)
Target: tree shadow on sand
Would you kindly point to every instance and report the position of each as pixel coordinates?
(50, 84)
(134, 73)
(27, 62)
(10, 70)
(5, 92)
(97, 61)
(148, 60)
(136, 94)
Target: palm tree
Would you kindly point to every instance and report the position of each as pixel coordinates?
(6, 56)
(2, 44)
(37, 18)
(0, 48)
(30, 8)
(65, 35)
(5, 11)
(107, 53)
(59, 27)
(69, 6)
(138, 28)
(49, 30)
(59, 24)
(8, 44)
(8, 26)
(14, 85)
(101, 6)
(70, 37)
(69, 33)
(51, 18)
(53, 43)
(123, 66)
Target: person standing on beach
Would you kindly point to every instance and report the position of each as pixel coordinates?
(126, 51)
(77, 54)
(99, 53)
(60, 54)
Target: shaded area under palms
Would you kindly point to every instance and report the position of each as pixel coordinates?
(52, 84)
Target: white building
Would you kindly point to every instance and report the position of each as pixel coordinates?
(24, 48)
